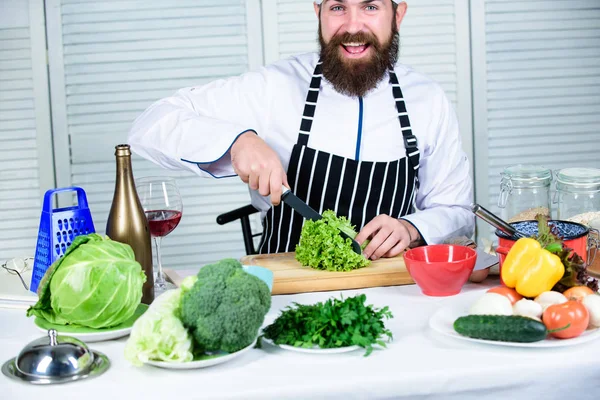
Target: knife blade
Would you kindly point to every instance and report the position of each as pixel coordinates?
(484, 260)
(309, 213)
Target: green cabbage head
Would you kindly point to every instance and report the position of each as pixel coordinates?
(97, 284)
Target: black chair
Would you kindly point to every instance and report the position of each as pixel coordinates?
(243, 214)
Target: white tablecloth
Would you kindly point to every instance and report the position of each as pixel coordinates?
(418, 364)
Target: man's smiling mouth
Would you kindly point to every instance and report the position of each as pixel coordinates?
(355, 48)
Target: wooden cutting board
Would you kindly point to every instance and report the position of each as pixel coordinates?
(291, 277)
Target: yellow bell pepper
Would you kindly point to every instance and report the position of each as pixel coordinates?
(530, 269)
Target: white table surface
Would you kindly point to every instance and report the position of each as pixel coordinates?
(418, 364)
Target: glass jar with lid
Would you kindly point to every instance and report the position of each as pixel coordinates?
(525, 192)
(578, 194)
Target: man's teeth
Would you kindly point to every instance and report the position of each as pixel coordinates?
(353, 44)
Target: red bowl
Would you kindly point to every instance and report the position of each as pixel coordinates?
(440, 269)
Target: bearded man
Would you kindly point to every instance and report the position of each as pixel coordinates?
(348, 129)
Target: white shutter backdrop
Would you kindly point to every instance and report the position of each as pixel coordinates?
(26, 169)
(536, 79)
(434, 40)
(110, 60)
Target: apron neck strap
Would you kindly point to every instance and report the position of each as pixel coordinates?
(310, 105)
(410, 140)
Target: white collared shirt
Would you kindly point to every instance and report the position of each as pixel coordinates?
(195, 128)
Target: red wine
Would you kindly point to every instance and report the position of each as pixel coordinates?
(162, 222)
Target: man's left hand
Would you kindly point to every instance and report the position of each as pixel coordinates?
(389, 236)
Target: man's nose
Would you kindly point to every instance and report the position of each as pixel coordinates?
(354, 22)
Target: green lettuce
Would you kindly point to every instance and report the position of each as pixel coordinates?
(322, 247)
(159, 334)
(97, 284)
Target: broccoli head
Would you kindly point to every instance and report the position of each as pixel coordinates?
(225, 307)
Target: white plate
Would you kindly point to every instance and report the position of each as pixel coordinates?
(314, 350)
(217, 359)
(91, 337)
(442, 321)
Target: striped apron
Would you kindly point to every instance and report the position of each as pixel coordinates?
(358, 190)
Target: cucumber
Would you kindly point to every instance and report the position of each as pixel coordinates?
(504, 328)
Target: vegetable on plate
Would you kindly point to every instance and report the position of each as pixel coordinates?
(225, 307)
(322, 247)
(505, 328)
(528, 308)
(592, 304)
(546, 299)
(97, 284)
(220, 309)
(572, 316)
(577, 292)
(491, 304)
(159, 334)
(334, 323)
(510, 293)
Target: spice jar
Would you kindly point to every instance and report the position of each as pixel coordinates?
(524, 192)
(578, 194)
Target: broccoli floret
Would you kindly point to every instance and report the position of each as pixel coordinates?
(225, 307)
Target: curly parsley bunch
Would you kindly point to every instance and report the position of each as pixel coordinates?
(331, 324)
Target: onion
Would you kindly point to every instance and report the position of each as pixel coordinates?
(528, 308)
(491, 304)
(592, 303)
(546, 299)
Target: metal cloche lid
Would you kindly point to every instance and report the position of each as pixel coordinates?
(55, 359)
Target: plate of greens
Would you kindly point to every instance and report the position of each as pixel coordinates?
(333, 326)
(204, 360)
(212, 318)
(90, 335)
(92, 292)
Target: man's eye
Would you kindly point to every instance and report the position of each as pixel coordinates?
(371, 8)
(337, 8)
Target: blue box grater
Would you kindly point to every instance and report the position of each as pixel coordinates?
(58, 228)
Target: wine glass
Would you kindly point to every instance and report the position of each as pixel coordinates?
(162, 204)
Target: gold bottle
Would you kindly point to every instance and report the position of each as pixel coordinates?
(127, 221)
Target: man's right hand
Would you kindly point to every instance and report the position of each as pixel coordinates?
(257, 164)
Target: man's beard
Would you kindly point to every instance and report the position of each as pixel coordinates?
(355, 77)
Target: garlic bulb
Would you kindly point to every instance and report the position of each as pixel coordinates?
(528, 308)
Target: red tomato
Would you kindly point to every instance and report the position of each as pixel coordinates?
(511, 294)
(577, 292)
(572, 313)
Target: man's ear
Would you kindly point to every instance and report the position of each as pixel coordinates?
(317, 9)
(400, 12)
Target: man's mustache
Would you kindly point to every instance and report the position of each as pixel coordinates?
(358, 37)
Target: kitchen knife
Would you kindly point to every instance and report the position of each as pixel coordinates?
(308, 213)
(484, 260)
